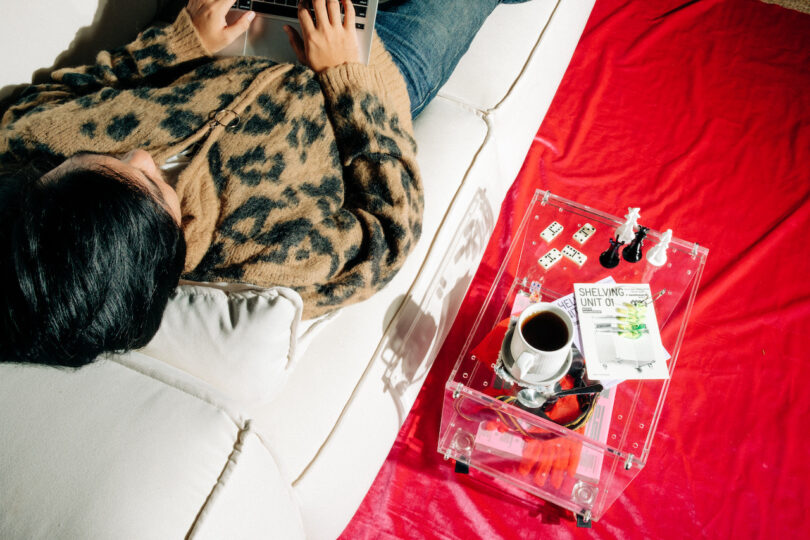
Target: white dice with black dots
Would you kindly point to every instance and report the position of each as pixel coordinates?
(584, 232)
(550, 259)
(551, 232)
(572, 253)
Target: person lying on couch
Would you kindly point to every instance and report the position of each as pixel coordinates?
(162, 161)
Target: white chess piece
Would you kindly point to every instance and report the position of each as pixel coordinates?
(624, 232)
(657, 256)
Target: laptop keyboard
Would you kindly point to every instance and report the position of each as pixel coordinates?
(289, 8)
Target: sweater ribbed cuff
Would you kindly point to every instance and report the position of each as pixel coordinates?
(350, 78)
(396, 90)
(184, 41)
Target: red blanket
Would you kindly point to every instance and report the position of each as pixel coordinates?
(701, 117)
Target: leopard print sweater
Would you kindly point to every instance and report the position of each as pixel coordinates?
(298, 179)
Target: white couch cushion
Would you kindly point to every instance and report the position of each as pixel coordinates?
(239, 339)
(104, 452)
(107, 451)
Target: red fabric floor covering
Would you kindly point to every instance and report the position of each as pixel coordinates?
(702, 118)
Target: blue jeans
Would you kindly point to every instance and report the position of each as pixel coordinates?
(426, 39)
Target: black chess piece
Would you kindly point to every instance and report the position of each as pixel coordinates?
(633, 252)
(610, 258)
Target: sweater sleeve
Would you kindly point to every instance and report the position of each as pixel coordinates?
(155, 51)
(381, 218)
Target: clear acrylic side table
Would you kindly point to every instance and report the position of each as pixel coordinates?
(583, 469)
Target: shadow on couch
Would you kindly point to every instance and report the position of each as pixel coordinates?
(115, 23)
(409, 348)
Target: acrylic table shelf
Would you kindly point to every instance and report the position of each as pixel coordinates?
(586, 466)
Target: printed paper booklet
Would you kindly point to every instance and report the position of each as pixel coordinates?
(619, 331)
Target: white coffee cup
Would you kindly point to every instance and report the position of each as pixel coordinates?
(541, 342)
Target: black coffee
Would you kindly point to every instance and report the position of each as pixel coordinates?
(545, 331)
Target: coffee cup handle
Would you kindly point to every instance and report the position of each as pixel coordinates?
(523, 362)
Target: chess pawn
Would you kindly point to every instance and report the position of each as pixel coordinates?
(633, 253)
(610, 257)
(657, 256)
(624, 232)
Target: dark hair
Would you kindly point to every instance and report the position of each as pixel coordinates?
(89, 261)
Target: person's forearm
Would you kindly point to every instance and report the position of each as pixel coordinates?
(382, 188)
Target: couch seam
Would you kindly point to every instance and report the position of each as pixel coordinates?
(227, 470)
(519, 75)
(530, 58)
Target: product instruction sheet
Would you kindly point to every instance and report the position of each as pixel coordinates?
(619, 331)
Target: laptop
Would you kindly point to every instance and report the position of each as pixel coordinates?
(266, 36)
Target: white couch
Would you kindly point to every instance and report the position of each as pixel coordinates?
(222, 428)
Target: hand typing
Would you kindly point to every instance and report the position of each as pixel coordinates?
(327, 41)
(209, 18)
